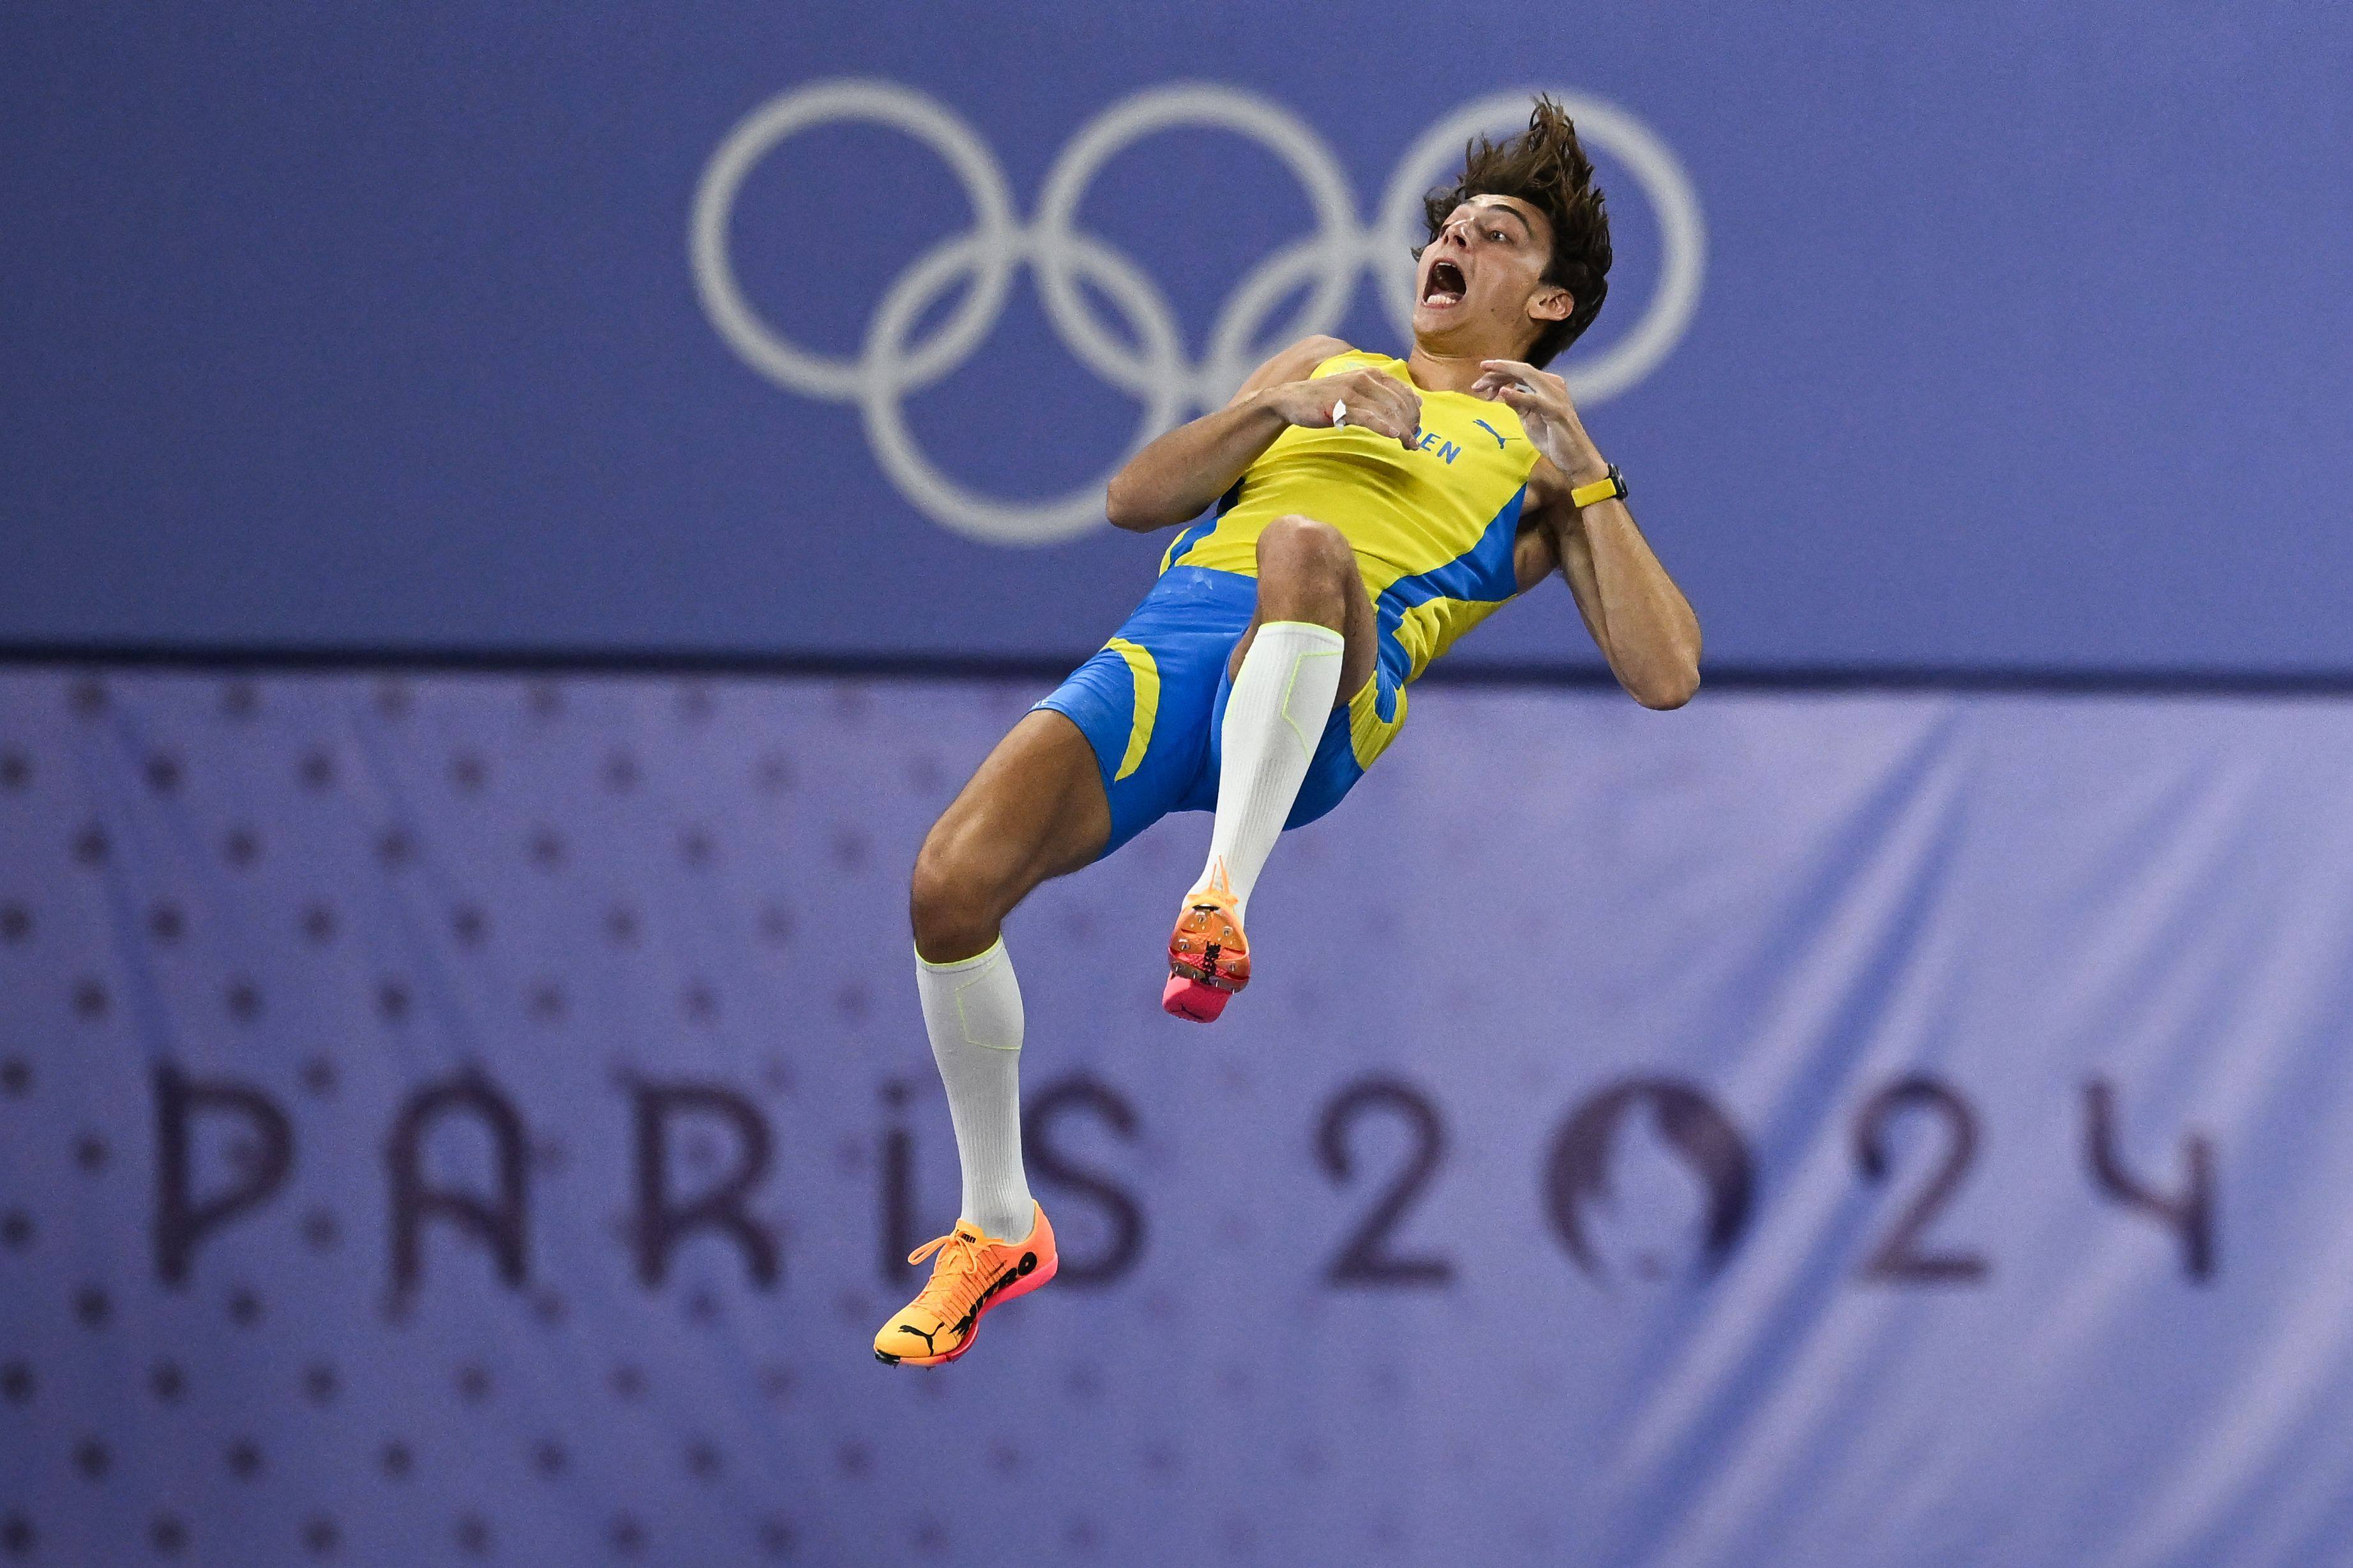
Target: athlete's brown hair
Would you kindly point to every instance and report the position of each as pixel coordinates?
(1545, 167)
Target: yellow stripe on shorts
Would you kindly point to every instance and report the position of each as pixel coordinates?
(1368, 734)
(1146, 671)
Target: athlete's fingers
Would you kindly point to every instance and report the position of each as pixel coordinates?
(1519, 398)
(1378, 403)
(1404, 411)
(1541, 383)
(1519, 370)
(1408, 416)
(1400, 411)
(1537, 400)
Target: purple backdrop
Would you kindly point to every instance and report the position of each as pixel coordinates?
(1855, 1130)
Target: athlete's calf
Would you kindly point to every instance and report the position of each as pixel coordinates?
(1036, 809)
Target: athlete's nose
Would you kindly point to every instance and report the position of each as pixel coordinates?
(1458, 233)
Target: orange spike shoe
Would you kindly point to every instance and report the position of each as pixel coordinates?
(1209, 956)
(975, 1274)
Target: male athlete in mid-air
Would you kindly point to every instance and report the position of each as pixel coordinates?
(1369, 512)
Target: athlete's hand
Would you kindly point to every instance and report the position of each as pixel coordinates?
(1541, 400)
(1381, 403)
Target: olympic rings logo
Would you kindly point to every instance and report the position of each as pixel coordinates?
(1152, 366)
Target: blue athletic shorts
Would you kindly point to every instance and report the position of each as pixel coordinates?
(1153, 701)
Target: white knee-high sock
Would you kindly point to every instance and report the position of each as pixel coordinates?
(972, 1009)
(1281, 700)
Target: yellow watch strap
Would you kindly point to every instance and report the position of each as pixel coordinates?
(1606, 488)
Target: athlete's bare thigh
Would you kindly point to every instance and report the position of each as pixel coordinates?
(1035, 810)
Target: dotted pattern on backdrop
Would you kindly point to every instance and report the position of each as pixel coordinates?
(479, 924)
(330, 891)
(340, 892)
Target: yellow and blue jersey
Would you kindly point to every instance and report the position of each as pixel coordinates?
(1432, 529)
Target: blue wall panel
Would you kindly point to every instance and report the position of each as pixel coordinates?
(2017, 337)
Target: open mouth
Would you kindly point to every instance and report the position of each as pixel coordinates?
(1445, 285)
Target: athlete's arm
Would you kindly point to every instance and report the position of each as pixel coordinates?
(1639, 619)
(1181, 475)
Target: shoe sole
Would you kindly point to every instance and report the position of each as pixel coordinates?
(1198, 992)
(1013, 1292)
(1193, 1000)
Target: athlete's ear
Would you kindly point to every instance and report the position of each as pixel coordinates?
(1551, 304)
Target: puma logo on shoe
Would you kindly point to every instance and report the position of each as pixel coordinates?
(977, 1272)
(1029, 1261)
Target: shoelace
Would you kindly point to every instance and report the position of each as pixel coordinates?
(953, 1277)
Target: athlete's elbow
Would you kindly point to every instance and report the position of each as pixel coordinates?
(1126, 505)
(1666, 699)
(1663, 691)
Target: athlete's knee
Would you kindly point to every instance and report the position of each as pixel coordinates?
(956, 899)
(1301, 544)
(1298, 554)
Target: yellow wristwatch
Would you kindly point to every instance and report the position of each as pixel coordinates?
(1610, 487)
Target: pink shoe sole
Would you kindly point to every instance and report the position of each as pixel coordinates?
(1012, 1292)
(1191, 1000)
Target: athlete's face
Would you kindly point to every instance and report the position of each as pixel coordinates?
(1479, 287)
